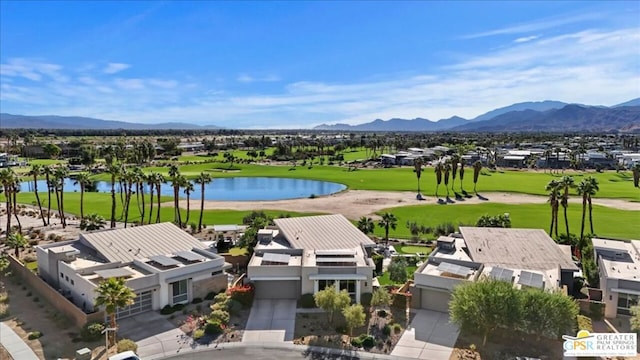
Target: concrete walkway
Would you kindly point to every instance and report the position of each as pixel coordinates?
(271, 320)
(156, 336)
(17, 348)
(430, 335)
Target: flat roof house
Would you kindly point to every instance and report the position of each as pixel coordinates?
(524, 257)
(306, 254)
(161, 263)
(619, 270)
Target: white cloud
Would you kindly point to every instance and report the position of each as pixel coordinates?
(244, 78)
(113, 68)
(129, 84)
(525, 39)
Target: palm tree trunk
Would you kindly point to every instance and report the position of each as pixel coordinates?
(150, 203)
(158, 210)
(48, 200)
(58, 201)
(127, 202)
(201, 208)
(566, 219)
(590, 215)
(556, 217)
(186, 220)
(7, 194)
(552, 221)
(113, 200)
(62, 216)
(141, 190)
(35, 188)
(584, 211)
(81, 200)
(15, 210)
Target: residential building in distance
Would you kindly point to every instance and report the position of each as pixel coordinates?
(161, 263)
(619, 269)
(524, 257)
(307, 254)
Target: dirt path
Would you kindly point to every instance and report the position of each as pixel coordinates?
(356, 203)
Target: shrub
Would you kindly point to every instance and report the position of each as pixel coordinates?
(382, 313)
(198, 333)
(4, 298)
(397, 328)
(307, 301)
(341, 329)
(221, 298)
(367, 341)
(34, 335)
(196, 301)
(167, 310)
(584, 323)
(178, 307)
(243, 294)
(365, 299)
(212, 328)
(596, 310)
(91, 331)
(127, 345)
(4, 311)
(219, 316)
(210, 295)
(386, 330)
(234, 306)
(356, 342)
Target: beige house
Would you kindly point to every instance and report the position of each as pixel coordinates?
(619, 270)
(524, 257)
(306, 254)
(162, 264)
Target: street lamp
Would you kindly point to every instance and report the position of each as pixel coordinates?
(106, 338)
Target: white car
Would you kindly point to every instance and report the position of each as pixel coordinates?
(126, 355)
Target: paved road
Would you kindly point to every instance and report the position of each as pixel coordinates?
(258, 353)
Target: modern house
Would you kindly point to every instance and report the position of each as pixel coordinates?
(307, 254)
(161, 263)
(524, 257)
(619, 270)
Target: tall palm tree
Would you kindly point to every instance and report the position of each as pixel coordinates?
(553, 187)
(188, 189)
(159, 181)
(35, 171)
(566, 183)
(6, 179)
(438, 170)
(461, 174)
(455, 162)
(140, 179)
(83, 179)
(114, 171)
(202, 180)
(127, 179)
(477, 167)
(594, 190)
(48, 171)
(60, 175)
(15, 188)
(417, 168)
(387, 221)
(113, 293)
(636, 174)
(151, 181)
(447, 171)
(366, 225)
(583, 189)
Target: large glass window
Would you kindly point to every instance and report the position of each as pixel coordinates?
(350, 286)
(625, 302)
(179, 291)
(323, 284)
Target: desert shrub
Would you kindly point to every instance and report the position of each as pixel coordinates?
(91, 331)
(356, 342)
(584, 323)
(367, 341)
(178, 307)
(243, 294)
(219, 316)
(596, 310)
(397, 328)
(365, 299)
(386, 330)
(210, 295)
(221, 298)
(307, 301)
(167, 310)
(234, 306)
(127, 345)
(212, 328)
(196, 300)
(4, 298)
(34, 335)
(198, 333)
(218, 306)
(377, 260)
(4, 311)
(382, 313)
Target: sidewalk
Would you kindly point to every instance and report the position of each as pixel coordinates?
(18, 349)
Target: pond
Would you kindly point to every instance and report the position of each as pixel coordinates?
(226, 189)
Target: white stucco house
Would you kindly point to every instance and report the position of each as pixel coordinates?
(619, 269)
(161, 263)
(524, 257)
(306, 254)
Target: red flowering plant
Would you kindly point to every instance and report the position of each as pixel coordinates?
(242, 293)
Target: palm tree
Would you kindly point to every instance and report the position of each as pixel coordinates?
(114, 171)
(566, 183)
(417, 168)
(388, 221)
(15, 188)
(447, 171)
(127, 179)
(477, 167)
(6, 179)
(455, 161)
(438, 169)
(151, 181)
(174, 173)
(188, 189)
(92, 222)
(636, 174)
(202, 180)
(60, 175)
(366, 225)
(461, 175)
(159, 181)
(554, 195)
(35, 171)
(113, 293)
(139, 179)
(593, 182)
(83, 179)
(47, 173)
(16, 241)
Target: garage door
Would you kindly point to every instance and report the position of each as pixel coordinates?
(281, 289)
(143, 302)
(435, 300)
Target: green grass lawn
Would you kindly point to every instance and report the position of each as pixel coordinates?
(412, 249)
(235, 251)
(608, 222)
(384, 279)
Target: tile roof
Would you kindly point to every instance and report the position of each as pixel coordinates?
(530, 249)
(322, 232)
(141, 242)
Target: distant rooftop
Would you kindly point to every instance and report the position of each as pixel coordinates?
(323, 232)
(621, 259)
(527, 249)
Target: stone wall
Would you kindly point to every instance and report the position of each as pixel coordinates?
(62, 304)
(203, 287)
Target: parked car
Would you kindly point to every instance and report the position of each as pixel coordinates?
(126, 355)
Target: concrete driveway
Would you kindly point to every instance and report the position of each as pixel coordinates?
(155, 335)
(430, 335)
(271, 321)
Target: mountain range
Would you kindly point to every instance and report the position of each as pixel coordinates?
(550, 116)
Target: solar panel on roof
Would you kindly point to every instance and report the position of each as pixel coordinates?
(276, 258)
(335, 259)
(111, 273)
(164, 260)
(190, 255)
(454, 269)
(501, 274)
(531, 279)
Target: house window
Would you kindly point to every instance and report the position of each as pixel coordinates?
(350, 286)
(61, 275)
(66, 278)
(323, 284)
(72, 283)
(179, 291)
(625, 302)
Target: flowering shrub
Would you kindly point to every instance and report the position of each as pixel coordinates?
(243, 294)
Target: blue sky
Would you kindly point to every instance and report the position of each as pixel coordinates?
(299, 64)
